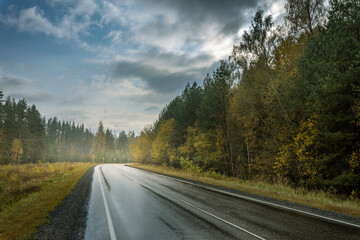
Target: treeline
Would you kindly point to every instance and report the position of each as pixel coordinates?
(26, 137)
(284, 107)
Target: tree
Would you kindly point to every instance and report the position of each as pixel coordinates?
(122, 146)
(191, 97)
(122, 142)
(212, 114)
(298, 160)
(174, 110)
(109, 138)
(100, 140)
(257, 43)
(328, 83)
(140, 147)
(8, 130)
(26, 137)
(215, 98)
(248, 116)
(1, 108)
(88, 139)
(36, 141)
(16, 151)
(52, 133)
(283, 103)
(244, 123)
(304, 15)
(164, 148)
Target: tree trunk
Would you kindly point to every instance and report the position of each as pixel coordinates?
(248, 153)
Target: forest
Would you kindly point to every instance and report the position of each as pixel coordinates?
(284, 107)
(26, 137)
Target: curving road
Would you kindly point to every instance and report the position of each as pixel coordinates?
(128, 203)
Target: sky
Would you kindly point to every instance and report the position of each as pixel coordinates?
(118, 61)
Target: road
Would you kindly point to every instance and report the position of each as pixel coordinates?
(128, 203)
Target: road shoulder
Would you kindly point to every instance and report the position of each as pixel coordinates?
(68, 220)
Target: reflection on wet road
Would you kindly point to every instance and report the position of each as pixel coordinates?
(128, 203)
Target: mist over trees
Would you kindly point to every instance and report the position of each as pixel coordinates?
(284, 106)
(26, 137)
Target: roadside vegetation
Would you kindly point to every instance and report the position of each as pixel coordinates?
(284, 107)
(280, 190)
(28, 192)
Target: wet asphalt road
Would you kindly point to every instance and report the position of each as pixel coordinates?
(128, 203)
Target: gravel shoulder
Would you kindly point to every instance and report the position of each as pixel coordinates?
(68, 220)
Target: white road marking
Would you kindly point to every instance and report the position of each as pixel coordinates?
(108, 216)
(204, 211)
(260, 201)
(219, 218)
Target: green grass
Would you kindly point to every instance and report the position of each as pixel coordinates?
(318, 199)
(29, 192)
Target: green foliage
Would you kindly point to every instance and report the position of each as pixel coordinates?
(140, 147)
(304, 15)
(25, 137)
(163, 147)
(257, 43)
(215, 98)
(100, 140)
(16, 151)
(328, 79)
(330, 76)
(183, 110)
(299, 160)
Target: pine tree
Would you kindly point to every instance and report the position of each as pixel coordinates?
(8, 131)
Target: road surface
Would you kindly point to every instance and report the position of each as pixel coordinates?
(128, 203)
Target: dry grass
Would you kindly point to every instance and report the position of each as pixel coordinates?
(318, 199)
(29, 192)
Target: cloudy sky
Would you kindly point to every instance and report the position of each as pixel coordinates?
(119, 61)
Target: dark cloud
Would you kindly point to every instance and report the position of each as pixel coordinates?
(80, 100)
(167, 80)
(228, 13)
(19, 88)
(173, 58)
(149, 98)
(152, 109)
(12, 82)
(158, 80)
(37, 96)
(231, 27)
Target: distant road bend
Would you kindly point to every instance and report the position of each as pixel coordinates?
(128, 203)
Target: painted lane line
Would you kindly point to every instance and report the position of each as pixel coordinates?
(200, 209)
(261, 202)
(219, 218)
(108, 216)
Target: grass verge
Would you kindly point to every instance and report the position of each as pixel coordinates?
(29, 192)
(317, 199)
